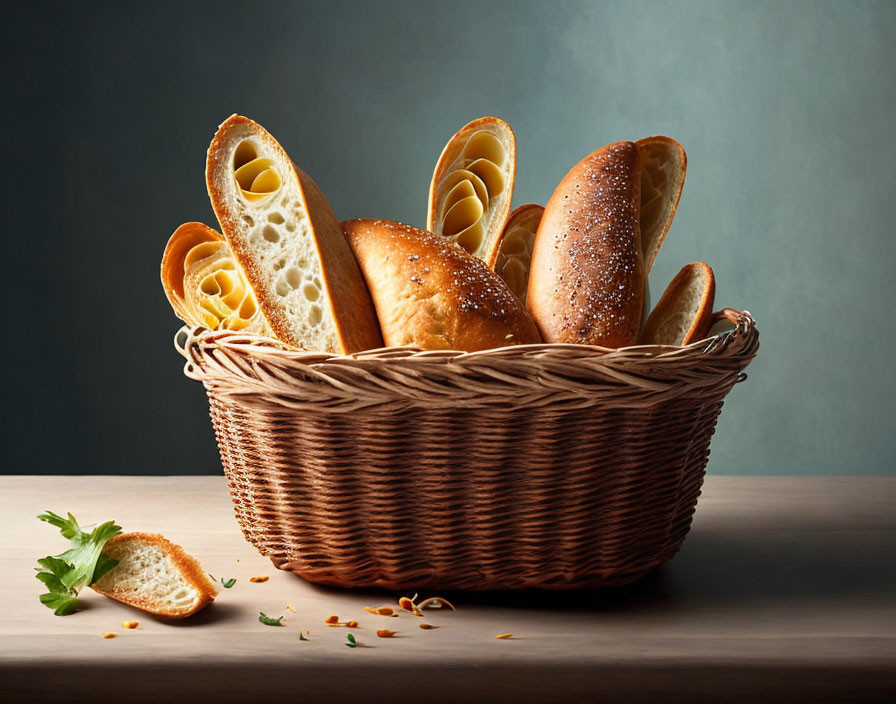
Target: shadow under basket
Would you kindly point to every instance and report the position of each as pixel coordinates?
(547, 466)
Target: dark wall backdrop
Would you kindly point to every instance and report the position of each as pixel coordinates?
(785, 108)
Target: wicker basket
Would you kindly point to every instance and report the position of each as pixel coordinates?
(549, 466)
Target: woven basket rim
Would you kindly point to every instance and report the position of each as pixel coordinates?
(265, 347)
(520, 376)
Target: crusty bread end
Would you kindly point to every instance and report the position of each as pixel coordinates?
(155, 575)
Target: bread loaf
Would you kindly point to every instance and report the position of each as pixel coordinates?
(514, 251)
(472, 186)
(206, 285)
(288, 241)
(155, 575)
(663, 168)
(430, 293)
(684, 313)
(586, 279)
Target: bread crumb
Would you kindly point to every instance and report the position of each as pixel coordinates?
(504, 636)
(385, 633)
(258, 580)
(426, 626)
(108, 635)
(130, 624)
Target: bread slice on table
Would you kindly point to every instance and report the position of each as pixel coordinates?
(586, 277)
(288, 241)
(663, 168)
(430, 293)
(206, 285)
(155, 575)
(514, 251)
(472, 187)
(684, 313)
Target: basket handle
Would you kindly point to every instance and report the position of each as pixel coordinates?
(730, 314)
(184, 343)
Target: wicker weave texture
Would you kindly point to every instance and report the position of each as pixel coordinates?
(548, 466)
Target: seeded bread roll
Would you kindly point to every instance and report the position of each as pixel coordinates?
(288, 241)
(155, 575)
(206, 285)
(514, 251)
(684, 313)
(472, 186)
(586, 278)
(430, 293)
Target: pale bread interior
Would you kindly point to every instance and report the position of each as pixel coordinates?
(216, 293)
(147, 577)
(515, 251)
(263, 197)
(472, 190)
(661, 184)
(674, 316)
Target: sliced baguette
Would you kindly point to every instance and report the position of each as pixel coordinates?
(155, 575)
(205, 284)
(684, 313)
(430, 293)
(288, 241)
(514, 251)
(472, 186)
(663, 168)
(586, 278)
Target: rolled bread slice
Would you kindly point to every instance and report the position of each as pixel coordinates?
(288, 241)
(514, 252)
(430, 293)
(205, 284)
(586, 277)
(472, 187)
(155, 575)
(663, 168)
(684, 313)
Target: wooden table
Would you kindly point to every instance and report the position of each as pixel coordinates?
(784, 590)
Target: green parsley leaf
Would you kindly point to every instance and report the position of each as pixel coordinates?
(352, 643)
(66, 574)
(268, 621)
(228, 583)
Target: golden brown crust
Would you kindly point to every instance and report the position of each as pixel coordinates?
(513, 255)
(350, 303)
(188, 565)
(676, 311)
(430, 293)
(586, 278)
(449, 155)
(664, 165)
(183, 240)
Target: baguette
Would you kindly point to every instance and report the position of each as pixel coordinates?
(155, 575)
(472, 187)
(663, 168)
(586, 278)
(205, 285)
(514, 251)
(684, 313)
(431, 294)
(288, 241)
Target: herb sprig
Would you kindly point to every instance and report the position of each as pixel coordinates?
(66, 574)
(268, 621)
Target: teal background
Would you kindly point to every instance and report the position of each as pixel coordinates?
(786, 110)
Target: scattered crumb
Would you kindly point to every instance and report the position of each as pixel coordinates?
(504, 636)
(258, 580)
(331, 619)
(351, 624)
(289, 606)
(108, 635)
(385, 633)
(426, 626)
(130, 624)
